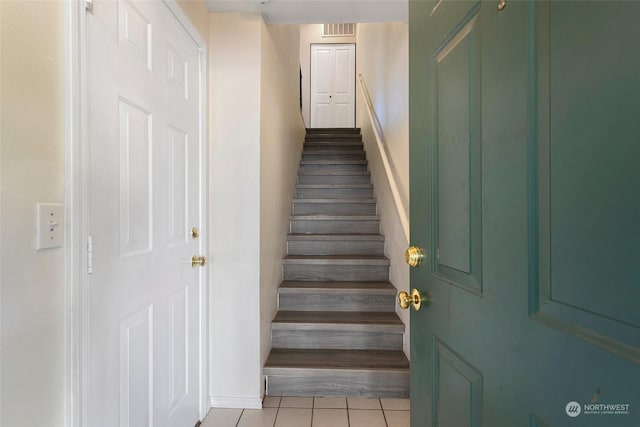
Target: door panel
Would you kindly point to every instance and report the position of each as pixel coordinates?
(136, 163)
(136, 369)
(457, 388)
(457, 145)
(523, 194)
(587, 128)
(143, 197)
(179, 386)
(178, 176)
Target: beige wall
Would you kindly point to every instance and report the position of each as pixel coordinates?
(234, 220)
(198, 14)
(383, 61)
(282, 135)
(31, 171)
(256, 135)
(310, 34)
(382, 58)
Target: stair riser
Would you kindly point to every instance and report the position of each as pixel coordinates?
(328, 169)
(334, 179)
(340, 384)
(334, 193)
(336, 247)
(336, 340)
(333, 131)
(335, 227)
(331, 272)
(314, 148)
(333, 138)
(336, 302)
(333, 156)
(302, 208)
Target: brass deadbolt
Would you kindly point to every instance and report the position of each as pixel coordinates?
(414, 256)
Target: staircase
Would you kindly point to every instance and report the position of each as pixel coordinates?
(336, 332)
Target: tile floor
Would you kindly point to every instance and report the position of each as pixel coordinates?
(315, 412)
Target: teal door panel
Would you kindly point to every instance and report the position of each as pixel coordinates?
(588, 204)
(525, 195)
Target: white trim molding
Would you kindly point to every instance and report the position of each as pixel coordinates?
(75, 306)
(235, 402)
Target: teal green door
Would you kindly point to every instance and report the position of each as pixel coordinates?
(525, 195)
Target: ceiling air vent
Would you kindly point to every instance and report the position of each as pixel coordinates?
(339, 30)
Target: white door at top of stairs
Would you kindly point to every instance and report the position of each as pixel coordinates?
(333, 68)
(144, 197)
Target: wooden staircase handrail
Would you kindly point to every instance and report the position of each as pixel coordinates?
(380, 143)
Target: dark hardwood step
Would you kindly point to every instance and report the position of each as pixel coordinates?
(326, 137)
(365, 373)
(337, 330)
(334, 224)
(335, 244)
(332, 162)
(336, 259)
(329, 167)
(348, 320)
(280, 360)
(330, 268)
(333, 130)
(334, 206)
(337, 296)
(339, 191)
(345, 178)
(335, 156)
(368, 287)
(332, 146)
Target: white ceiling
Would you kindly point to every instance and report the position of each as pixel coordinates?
(316, 11)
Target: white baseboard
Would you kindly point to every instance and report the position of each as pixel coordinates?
(235, 402)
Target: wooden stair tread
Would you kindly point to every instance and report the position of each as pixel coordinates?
(335, 173)
(334, 200)
(339, 317)
(333, 130)
(336, 259)
(326, 217)
(296, 286)
(336, 359)
(334, 153)
(321, 146)
(330, 237)
(334, 186)
(334, 162)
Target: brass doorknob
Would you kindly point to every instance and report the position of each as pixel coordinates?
(415, 299)
(197, 260)
(414, 256)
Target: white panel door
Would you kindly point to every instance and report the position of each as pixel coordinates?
(333, 68)
(144, 197)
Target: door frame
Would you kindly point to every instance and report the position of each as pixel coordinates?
(355, 72)
(76, 332)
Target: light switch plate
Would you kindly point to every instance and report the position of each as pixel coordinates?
(49, 226)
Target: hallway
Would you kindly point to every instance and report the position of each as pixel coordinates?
(315, 412)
